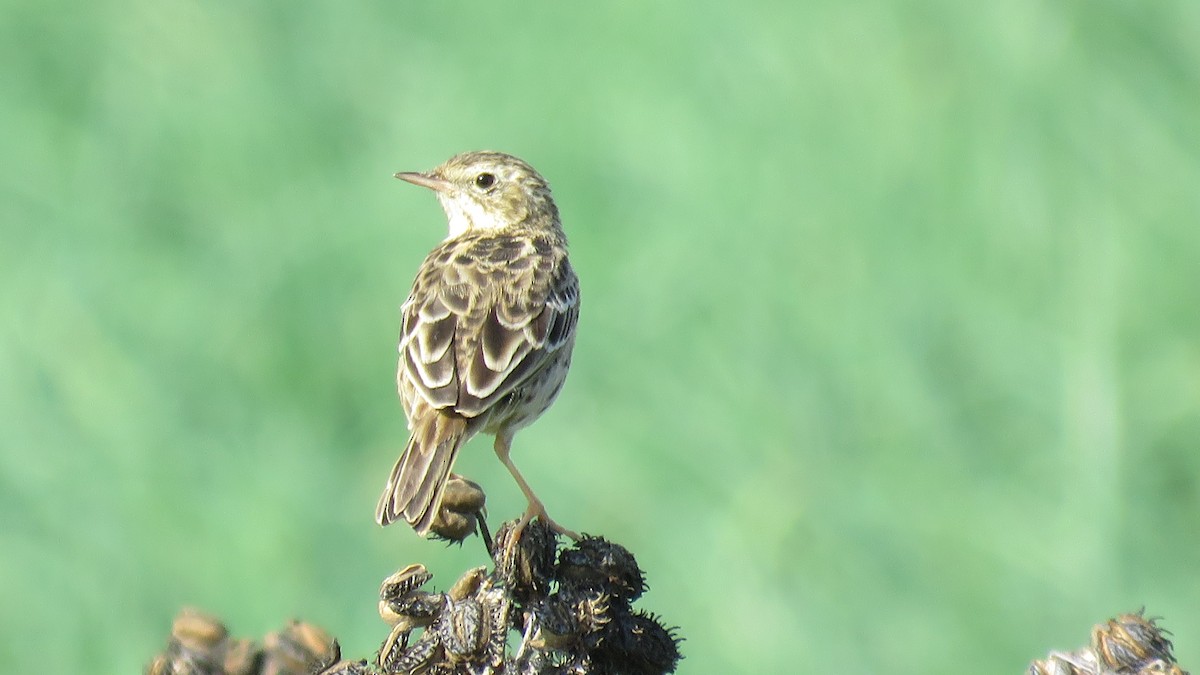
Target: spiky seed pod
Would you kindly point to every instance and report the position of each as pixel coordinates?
(596, 564)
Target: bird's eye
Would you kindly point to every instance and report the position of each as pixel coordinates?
(485, 180)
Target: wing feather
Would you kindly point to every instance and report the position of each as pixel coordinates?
(485, 313)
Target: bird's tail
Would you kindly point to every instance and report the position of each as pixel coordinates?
(414, 490)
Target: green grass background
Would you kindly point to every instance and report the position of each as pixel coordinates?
(889, 359)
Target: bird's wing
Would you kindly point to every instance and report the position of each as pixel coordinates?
(485, 313)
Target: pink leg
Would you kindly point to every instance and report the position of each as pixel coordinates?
(535, 509)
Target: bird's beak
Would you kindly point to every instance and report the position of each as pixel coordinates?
(425, 180)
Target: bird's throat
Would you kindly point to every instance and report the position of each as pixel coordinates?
(464, 215)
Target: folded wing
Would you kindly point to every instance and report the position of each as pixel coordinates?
(484, 315)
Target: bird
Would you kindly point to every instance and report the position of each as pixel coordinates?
(487, 330)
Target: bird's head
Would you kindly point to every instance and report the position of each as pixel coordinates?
(488, 191)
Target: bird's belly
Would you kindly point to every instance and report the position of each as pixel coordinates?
(533, 397)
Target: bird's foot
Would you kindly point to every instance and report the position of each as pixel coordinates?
(537, 510)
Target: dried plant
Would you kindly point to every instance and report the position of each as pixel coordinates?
(571, 607)
(1130, 644)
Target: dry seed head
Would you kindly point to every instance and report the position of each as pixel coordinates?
(1129, 641)
(463, 631)
(462, 511)
(404, 581)
(298, 648)
(393, 648)
(196, 631)
(242, 657)
(467, 584)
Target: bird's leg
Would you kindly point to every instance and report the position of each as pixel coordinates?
(535, 509)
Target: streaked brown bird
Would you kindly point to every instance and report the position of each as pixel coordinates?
(487, 331)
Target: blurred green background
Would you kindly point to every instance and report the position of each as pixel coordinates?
(889, 358)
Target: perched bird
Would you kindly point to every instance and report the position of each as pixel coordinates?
(487, 331)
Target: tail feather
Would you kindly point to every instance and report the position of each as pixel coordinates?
(414, 489)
